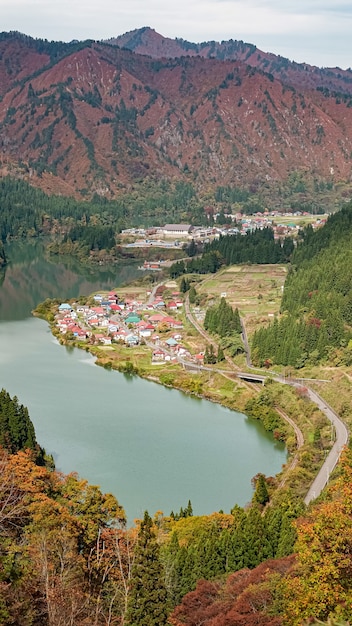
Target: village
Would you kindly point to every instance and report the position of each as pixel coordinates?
(155, 320)
(175, 235)
(130, 322)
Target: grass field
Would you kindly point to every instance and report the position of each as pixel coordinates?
(256, 291)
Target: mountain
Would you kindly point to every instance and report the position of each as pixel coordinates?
(98, 117)
(300, 75)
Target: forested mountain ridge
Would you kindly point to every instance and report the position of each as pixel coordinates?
(300, 75)
(316, 320)
(90, 117)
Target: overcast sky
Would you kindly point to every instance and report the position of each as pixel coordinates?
(317, 32)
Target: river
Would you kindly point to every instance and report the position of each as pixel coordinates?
(152, 447)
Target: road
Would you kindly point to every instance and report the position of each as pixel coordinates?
(153, 292)
(341, 440)
(337, 425)
(341, 431)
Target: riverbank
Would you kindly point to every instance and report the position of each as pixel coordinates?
(213, 384)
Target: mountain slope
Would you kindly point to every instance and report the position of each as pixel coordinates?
(100, 118)
(300, 75)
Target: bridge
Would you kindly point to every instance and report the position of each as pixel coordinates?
(249, 377)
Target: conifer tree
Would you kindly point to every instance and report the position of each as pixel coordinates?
(147, 603)
(221, 355)
(184, 285)
(16, 427)
(261, 492)
(192, 294)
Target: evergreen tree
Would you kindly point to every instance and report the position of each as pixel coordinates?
(147, 603)
(16, 427)
(209, 355)
(184, 285)
(261, 491)
(192, 248)
(189, 509)
(221, 355)
(192, 295)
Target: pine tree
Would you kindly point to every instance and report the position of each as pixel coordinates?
(221, 355)
(184, 285)
(147, 603)
(192, 295)
(261, 492)
(189, 509)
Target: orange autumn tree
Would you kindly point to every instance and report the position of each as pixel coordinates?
(322, 586)
(65, 554)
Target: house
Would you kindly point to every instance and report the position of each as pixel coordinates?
(106, 340)
(132, 318)
(144, 329)
(171, 306)
(98, 311)
(158, 355)
(145, 332)
(64, 307)
(151, 265)
(93, 321)
(171, 342)
(98, 337)
(132, 340)
(155, 319)
(172, 323)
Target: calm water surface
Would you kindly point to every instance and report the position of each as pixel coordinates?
(153, 447)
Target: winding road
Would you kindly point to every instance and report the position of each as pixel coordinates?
(341, 439)
(341, 431)
(337, 425)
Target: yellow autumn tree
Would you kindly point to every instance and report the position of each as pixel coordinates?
(322, 585)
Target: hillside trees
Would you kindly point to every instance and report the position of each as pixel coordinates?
(59, 561)
(147, 602)
(322, 587)
(312, 586)
(222, 320)
(16, 428)
(316, 304)
(262, 407)
(258, 246)
(209, 548)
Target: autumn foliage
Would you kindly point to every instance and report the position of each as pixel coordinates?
(322, 585)
(64, 549)
(67, 558)
(241, 600)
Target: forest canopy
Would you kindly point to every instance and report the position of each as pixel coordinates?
(316, 310)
